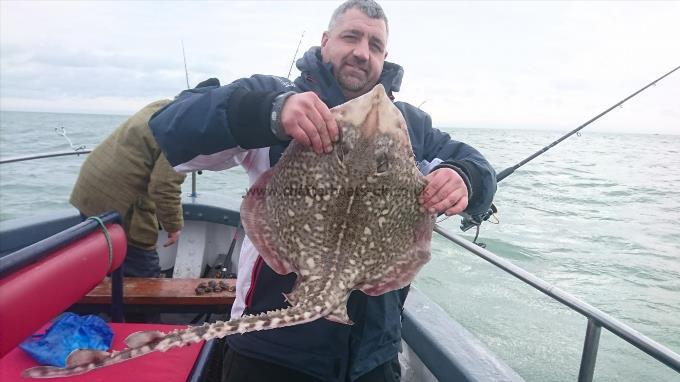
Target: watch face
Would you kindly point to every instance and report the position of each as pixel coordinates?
(275, 122)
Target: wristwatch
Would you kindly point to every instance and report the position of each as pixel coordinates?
(275, 121)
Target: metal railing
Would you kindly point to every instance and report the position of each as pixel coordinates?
(596, 318)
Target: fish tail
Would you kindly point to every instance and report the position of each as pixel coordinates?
(158, 341)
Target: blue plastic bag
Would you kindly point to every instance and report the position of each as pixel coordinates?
(68, 332)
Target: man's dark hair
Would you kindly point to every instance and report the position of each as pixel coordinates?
(368, 7)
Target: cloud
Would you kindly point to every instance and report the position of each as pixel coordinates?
(72, 72)
(481, 64)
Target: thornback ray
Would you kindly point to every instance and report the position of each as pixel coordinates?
(341, 221)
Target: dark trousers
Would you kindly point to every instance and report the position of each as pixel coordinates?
(239, 368)
(141, 263)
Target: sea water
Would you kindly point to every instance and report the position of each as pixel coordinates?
(596, 216)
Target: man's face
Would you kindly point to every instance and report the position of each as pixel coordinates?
(356, 48)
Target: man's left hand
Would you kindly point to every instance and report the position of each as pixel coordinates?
(445, 192)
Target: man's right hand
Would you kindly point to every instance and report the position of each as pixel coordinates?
(172, 238)
(305, 118)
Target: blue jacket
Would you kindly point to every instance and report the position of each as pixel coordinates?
(213, 118)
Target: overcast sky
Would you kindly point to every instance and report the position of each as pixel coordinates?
(539, 65)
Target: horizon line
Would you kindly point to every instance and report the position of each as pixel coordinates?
(446, 125)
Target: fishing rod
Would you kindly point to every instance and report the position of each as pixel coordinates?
(186, 71)
(469, 222)
(186, 75)
(76, 150)
(505, 173)
(295, 55)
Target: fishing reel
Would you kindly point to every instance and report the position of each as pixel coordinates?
(475, 221)
(221, 269)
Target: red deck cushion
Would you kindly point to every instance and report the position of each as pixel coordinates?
(172, 366)
(34, 295)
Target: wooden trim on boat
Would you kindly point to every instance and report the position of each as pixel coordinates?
(162, 291)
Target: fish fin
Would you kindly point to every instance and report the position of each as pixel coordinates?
(340, 315)
(290, 298)
(406, 263)
(81, 357)
(255, 220)
(138, 339)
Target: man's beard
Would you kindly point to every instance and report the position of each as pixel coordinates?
(351, 82)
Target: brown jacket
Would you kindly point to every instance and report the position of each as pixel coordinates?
(127, 172)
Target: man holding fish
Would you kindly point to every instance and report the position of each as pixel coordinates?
(250, 122)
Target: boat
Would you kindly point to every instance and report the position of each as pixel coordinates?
(435, 347)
